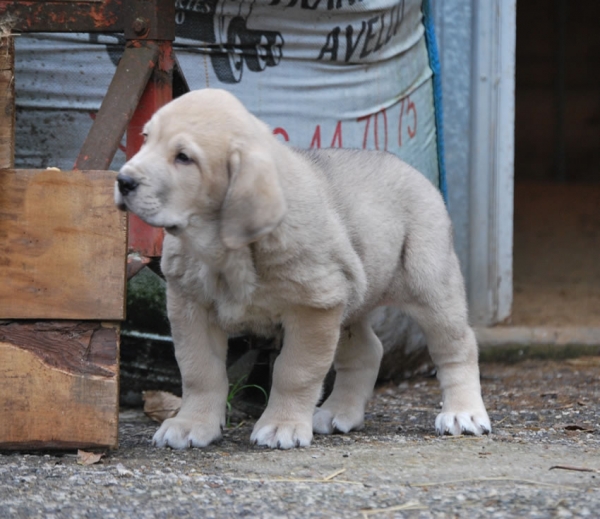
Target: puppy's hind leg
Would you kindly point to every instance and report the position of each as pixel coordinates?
(440, 309)
(463, 410)
(356, 365)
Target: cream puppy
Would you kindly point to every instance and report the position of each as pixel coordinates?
(262, 237)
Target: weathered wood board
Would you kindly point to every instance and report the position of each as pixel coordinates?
(7, 102)
(59, 385)
(63, 246)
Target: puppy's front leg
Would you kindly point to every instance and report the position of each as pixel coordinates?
(201, 351)
(310, 340)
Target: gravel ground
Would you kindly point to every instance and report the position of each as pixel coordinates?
(545, 413)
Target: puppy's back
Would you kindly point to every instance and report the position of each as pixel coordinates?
(381, 201)
(377, 183)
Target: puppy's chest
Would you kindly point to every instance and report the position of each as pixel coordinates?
(238, 301)
(237, 319)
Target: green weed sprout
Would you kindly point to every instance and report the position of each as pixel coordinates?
(235, 388)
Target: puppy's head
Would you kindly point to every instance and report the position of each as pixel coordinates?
(205, 158)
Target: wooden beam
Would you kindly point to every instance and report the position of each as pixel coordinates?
(7, 102)
(118, 106)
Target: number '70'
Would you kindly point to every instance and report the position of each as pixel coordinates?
(406, 107)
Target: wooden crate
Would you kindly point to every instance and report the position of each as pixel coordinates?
(63, 249)
(59, 385)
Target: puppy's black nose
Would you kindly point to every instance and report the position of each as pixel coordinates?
(126, 184)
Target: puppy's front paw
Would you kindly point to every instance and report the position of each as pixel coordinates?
(327, 420)
(282, 434)
(473, 423)
(181, 433)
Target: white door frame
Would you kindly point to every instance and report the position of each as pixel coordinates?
(477, 41)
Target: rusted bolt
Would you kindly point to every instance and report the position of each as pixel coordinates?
(140, 26)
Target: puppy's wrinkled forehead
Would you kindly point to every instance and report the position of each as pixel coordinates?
(208, 112)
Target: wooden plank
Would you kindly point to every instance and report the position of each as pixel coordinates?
(63, 246)
(59, 385)
(7, 102)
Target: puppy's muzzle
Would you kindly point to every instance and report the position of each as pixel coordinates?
(126, 184)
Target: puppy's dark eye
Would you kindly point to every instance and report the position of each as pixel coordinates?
(182, 158)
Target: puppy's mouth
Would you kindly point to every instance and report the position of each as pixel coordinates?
(119, 199)
(172, 225)
(174, 229)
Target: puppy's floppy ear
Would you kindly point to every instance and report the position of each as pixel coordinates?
(254, 204)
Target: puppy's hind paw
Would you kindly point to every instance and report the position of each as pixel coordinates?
(455, 424)
(323, 422)
(327, 421)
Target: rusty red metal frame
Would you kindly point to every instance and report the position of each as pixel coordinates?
(64, 16)
(144, 80)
